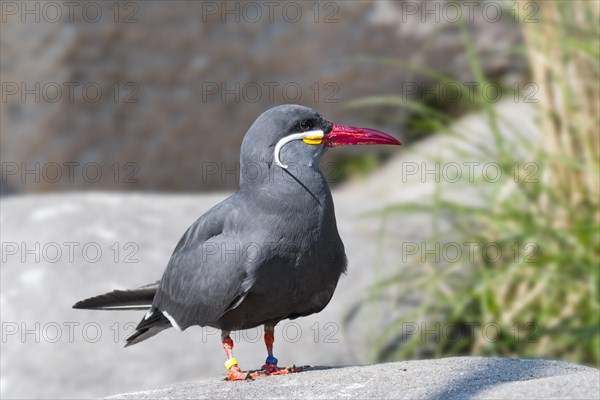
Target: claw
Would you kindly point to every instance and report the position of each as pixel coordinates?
(294, 369)
(256, 374)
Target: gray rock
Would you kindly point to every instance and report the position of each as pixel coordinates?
(156, 120)
(447, 378)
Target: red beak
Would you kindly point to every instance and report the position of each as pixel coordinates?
(349, 135)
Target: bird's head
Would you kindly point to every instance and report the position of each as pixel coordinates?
(294, 135)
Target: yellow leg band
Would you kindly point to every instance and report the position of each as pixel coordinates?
(230, 363)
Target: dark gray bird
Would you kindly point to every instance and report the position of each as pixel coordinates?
(269, 252)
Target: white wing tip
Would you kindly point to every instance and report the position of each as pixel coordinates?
(172, 321)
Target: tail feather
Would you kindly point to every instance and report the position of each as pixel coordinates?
(153, 323)
(135, 299)
(140, 336)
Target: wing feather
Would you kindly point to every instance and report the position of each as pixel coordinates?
(205, 276)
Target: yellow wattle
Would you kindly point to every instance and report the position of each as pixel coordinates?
(313, 140)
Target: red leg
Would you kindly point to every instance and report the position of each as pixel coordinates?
(235, 373)
(270, 366)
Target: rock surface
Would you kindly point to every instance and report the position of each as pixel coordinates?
(454, 378)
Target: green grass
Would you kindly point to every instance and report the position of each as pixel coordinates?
(541, 298)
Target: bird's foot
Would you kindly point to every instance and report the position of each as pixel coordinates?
(236, 374)
(272, 369)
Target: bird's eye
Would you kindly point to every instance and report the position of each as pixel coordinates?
(306, 125)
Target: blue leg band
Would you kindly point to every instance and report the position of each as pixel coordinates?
(272, 360)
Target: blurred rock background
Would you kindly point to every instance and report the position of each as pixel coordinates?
(166, 93)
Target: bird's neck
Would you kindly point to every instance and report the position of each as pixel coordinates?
(298, 187)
